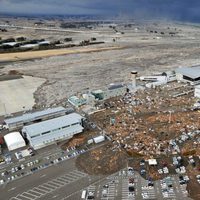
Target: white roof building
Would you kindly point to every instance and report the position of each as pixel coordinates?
(48, 132)
(14, 141)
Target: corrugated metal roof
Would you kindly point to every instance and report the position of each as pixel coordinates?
(192, 72)
(32, 116)
(52, 124)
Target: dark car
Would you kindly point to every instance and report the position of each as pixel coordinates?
(34, 169)
(131, 188)
(106, 186)
(150, 183)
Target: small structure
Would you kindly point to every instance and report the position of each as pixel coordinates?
(154, 80)
(90, 99)
(48, 132)
(113, 90)
(171, 75)
(44, 42)
(29, 46)
(188, 74)
(152, 162)
(99, 94)
(99, 139)
(10, 44)
(14, 141)
(76, 101)
(197, 91)
(20, 121)
(22, 154)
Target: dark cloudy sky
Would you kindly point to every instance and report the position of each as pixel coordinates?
(187, 10)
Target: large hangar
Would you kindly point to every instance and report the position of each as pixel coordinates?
(48, 132)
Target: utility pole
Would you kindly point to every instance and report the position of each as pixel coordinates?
(170, 116)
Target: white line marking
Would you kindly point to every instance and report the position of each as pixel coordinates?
(12, 189)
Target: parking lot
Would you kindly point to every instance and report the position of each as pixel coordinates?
(59, 181)
(126, 185)
(50, 186)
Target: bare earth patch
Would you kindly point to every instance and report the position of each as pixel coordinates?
(102, 161)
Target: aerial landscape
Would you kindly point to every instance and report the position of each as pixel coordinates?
(99, 100)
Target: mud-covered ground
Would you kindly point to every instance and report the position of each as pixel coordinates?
(143, 51)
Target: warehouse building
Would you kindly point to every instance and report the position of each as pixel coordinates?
(48, 132)
(188, 74)
(25, 119)
(14, 141)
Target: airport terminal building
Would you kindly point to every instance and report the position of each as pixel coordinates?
(48, 132)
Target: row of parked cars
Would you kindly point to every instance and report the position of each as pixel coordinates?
(12, 174)
(131, 182)
(16, 172)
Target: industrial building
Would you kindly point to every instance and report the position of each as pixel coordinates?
(48, 132)
(188, 74)
(14, 141)
(25, 119)
(113, 90)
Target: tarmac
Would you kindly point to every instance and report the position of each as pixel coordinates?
(17, 95)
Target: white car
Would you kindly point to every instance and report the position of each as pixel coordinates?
(13, 170)
(22, 166)
(2, 181)
(165, 194)
(131, 194)
(186, 178)
(198, 176)
(145, 196)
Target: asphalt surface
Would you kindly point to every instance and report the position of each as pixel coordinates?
(118, 185)
(64, 181)
(55, 182)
